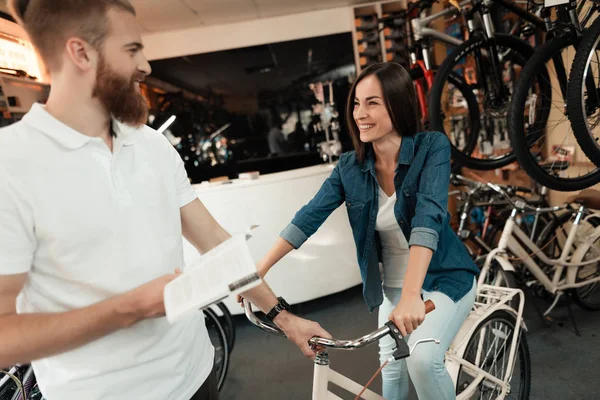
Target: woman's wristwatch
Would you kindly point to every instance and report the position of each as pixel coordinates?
(281, 306)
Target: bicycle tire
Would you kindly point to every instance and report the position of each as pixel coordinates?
(229, 325)
(523, 354)
(576, 102)
(218, 339)
(578, 294)
(519, 48)
(518, 138)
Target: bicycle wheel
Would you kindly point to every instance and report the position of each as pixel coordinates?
(218, 339)
(227, 321)
(541, 142)
(488, 348)
(588, 297)
(583, 94)
(488, 146)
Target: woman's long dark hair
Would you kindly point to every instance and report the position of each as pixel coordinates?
(399, 97)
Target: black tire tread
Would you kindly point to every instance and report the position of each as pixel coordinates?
(213, 316)
(576, 112)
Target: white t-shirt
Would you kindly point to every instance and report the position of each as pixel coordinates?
(86, 225)
(394, 247)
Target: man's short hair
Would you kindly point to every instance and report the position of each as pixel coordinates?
(50, 23)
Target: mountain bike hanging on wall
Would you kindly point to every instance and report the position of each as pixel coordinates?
(490, 63)
(539, 122)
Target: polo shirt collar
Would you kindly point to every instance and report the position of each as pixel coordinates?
(68, 137)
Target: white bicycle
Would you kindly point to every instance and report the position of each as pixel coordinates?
(488, 358)
(575, 271)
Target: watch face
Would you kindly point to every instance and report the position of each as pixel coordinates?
(279, 308)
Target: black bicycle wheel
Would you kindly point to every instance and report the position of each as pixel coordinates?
(539, 142)
(583, 94)
(490, 139)
(483, 346)
(218, 339)
(228, 324)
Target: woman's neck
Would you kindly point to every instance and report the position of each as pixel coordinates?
(387, 151)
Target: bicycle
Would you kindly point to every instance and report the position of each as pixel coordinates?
(468, 360)
(539, 108)
(422, 69)
(489, 63)
(582, 93)
(573, 271)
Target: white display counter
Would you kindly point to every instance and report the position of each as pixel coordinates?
(324, 265)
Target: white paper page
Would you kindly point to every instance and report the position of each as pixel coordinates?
(226, 270)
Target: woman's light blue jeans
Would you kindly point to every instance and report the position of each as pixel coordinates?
(426, 365)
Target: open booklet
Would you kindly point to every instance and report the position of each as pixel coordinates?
(226, 270)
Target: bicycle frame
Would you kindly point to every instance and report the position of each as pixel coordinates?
(420, 30)
(508, 241)
(494, 298)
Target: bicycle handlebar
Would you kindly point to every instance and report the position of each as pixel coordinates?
(352, 344)
(521, 204)
(458, 180)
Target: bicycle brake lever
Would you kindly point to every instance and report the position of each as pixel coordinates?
(402, 350)
(414, 346)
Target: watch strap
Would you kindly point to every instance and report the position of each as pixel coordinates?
(281, 306)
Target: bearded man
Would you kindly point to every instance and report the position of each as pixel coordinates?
(93, 206)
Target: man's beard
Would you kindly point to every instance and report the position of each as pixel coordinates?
(119, 96)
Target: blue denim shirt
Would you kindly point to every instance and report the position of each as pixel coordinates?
(421, 181)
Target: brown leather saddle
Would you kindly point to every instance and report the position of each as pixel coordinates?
(589, 198)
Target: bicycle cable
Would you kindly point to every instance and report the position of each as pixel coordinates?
(372, 379)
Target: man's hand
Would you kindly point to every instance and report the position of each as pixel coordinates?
(147, 301)
(300, 330)
(408, 314)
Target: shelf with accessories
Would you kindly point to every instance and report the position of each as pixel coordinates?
(18, 94)
(379, 33)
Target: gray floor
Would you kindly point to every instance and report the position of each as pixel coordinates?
(263, 366)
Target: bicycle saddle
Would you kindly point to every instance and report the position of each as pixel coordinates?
(589, 198)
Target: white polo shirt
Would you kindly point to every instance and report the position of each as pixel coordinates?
(86, 225)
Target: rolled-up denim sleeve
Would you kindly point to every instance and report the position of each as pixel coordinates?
(432, 195)
(310, 217)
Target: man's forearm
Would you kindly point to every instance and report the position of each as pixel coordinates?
(28, 337)
(261, 296)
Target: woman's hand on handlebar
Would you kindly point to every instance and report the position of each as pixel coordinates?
(409, 313)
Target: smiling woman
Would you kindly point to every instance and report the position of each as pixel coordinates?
(395, 186)
(370, 106)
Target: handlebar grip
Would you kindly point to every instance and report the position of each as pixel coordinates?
(429, 306)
